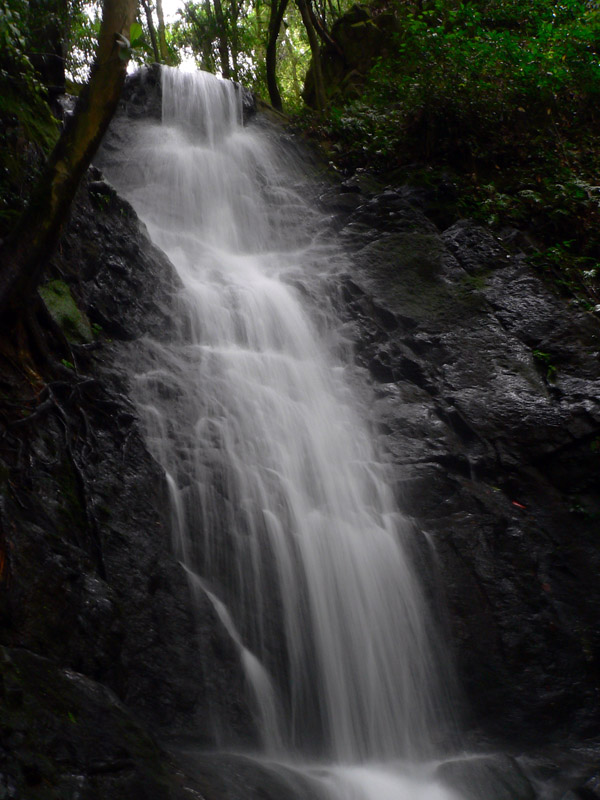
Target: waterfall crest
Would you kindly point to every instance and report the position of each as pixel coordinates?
(281, 513)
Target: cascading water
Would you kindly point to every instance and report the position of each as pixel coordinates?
(281, 515)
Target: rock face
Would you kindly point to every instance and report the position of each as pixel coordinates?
(487, 400)
(95, 617)
(485, 393)
(494, 777)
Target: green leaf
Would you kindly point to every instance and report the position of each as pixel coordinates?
(135, 33)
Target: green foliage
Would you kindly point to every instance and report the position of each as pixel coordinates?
(458, 75)
(16, 67)
(197, 33)
(136, 41)
(27, 127)
(505, 96)
(82, 30)
(12, 41)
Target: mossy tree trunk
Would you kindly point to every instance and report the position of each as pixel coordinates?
(24, 255)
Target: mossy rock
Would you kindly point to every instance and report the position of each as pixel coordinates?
(60, 303)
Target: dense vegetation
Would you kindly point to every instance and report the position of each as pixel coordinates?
(496, 99)
(501, 98)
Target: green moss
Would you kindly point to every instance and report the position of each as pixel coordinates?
(63, 308)
(474, 283)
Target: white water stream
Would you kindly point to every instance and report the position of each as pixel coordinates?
(281, 514)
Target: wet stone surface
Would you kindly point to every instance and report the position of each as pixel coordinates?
(95, 614)
(486, 396)
(485, 391)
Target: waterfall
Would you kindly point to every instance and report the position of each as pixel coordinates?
(282, 516)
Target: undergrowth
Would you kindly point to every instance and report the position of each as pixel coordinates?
(504, 97)
(28, 130)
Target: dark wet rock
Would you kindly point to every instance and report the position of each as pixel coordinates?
(476, 250)
(84, 743)
(142, 94)
(493, 777)
(88, 585)
(487, 399)
(588, 789)
(239, 777)
(485, 392)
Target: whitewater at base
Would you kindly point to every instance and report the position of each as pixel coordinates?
(282, 516)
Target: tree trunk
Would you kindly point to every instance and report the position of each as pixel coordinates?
(151, 30)
(320, 96)
(162, 38)
(277, 10)
(294, 61)
(208, 58)
(321, 30)
(23, 257)
(204, 41)
(223, 44)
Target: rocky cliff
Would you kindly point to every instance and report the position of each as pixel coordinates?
(487, 402)
(485, 395)
(99, 641)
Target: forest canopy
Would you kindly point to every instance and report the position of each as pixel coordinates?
(499, 97)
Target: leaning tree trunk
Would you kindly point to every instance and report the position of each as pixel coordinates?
(321, 30)
(24, 256)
